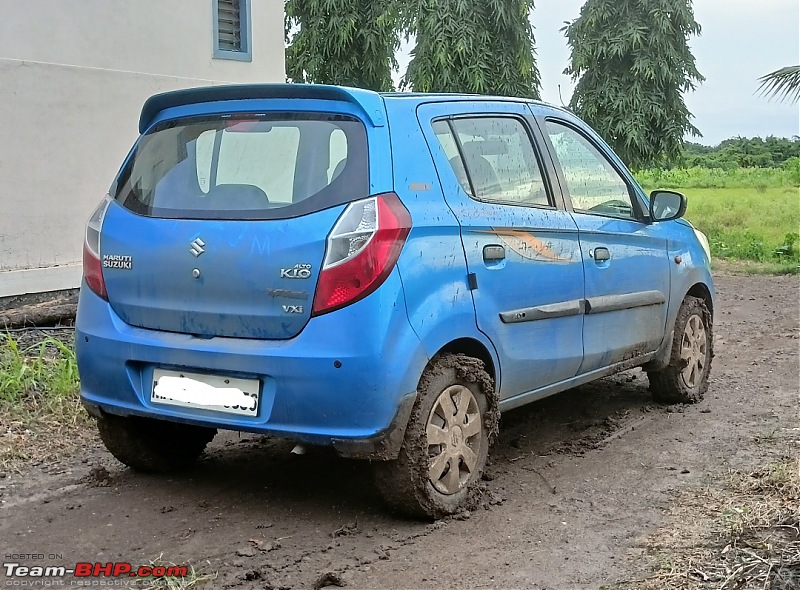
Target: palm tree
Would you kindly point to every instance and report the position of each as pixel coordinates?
(783, 84)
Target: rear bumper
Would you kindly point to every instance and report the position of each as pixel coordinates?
(359, 407)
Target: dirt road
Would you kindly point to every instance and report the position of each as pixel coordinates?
(576, 483)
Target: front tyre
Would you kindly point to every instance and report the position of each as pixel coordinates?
(446, 441)
(685, 379)
(153, 446)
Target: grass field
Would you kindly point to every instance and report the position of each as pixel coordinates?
(749, 214)
(755, 178)
(746, 224)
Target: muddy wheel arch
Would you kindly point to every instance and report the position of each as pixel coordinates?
(449, 386)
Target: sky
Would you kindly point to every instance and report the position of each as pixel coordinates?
(741, 40)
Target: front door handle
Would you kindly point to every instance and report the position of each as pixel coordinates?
(600, 254)
(493, 253)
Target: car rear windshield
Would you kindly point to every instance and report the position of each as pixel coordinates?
(246, 166)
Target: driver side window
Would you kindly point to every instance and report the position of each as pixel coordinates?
(594, 186)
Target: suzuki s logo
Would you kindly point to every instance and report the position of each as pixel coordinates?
(293, 308)
(298, 271)
(197, 247)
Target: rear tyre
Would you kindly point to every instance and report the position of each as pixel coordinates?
(153, 446)
(446, 441)
(685, 379)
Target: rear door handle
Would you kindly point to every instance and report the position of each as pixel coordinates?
(493, 253)
(600, 254)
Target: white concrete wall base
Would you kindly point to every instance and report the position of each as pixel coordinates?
(40, 280)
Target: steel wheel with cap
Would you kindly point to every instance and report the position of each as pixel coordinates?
(685, 379)
(454, 432)
(445, 446)
(694, 350)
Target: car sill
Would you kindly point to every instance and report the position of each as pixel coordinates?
(537, 394)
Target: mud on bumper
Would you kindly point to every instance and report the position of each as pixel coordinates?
(352, 390)
(383, 446)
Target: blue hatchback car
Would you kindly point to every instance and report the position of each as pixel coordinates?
(378, 273)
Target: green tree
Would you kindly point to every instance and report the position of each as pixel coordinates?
(783, 84)
(347, 42)
(633, 64)
(475, 46)
(736, 152)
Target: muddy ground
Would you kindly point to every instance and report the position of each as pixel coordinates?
(576, 484)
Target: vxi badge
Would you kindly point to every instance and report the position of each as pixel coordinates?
(298, 271)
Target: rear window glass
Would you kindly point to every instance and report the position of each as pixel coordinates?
(246, 166)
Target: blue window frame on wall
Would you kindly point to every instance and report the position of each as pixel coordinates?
(232, 30)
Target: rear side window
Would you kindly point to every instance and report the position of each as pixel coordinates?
(494, 159)
(246, 167)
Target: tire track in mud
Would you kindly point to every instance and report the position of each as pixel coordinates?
(592, 428)
(297, 555)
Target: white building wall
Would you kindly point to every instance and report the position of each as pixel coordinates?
(73, 77)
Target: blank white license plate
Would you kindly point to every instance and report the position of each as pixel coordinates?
(207, 392)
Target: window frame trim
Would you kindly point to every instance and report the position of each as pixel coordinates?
(640, 215)
(546, 181)
(245, 31)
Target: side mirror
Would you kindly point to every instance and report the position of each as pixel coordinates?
(667, 205)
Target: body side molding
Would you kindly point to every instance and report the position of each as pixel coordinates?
(607, 303)
(543, 312)
(602, 304)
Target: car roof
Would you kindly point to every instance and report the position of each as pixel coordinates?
(370, 102)
(428, 97)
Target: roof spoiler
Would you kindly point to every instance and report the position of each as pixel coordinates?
(370, 102)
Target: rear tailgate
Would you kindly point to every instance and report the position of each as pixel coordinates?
(219, 221)
(248, 279)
